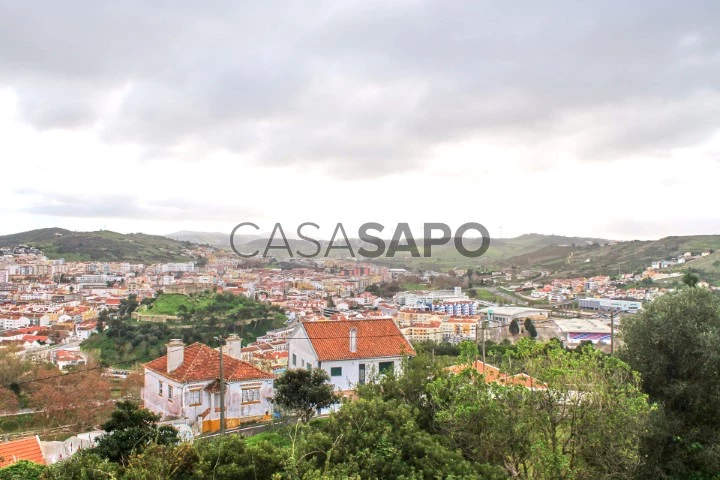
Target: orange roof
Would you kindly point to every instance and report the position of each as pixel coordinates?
(375, 338)
(202, 363)
(25, 449)
(493, 374)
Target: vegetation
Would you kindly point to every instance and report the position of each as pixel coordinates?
(675, 345)
(304, 392)
(102, 245)
(202, 317)
(649, 413)
(22, 470)
(129, 431)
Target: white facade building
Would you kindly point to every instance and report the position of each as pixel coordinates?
(352, 352)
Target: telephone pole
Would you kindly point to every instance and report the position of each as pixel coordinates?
(490, 312)
(222, 388)
(612, 332)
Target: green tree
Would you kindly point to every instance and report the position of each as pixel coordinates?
(128, 305)
(378, 439)
(514, 327)
(532, 331)
(675, 345)
(690, 279)
(304, 392)
(584, 419)
(233, 458)
(84, 465)
(22, 470)
(468, 351)
(130, 430)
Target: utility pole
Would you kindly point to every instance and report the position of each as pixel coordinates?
(222, 387)
(612, 332)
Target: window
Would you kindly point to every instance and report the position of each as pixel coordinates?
(160, 388)
(309, 367)
(386, 367)
(251, 395)
(195, 398)
(294, 360)
(361, 374)
(336, 372)
(170, 393)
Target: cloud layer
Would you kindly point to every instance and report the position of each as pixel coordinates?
(367, 88)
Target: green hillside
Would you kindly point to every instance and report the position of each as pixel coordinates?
(621, 257)
(102, 245)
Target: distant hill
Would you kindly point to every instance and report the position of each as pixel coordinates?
(102, 245)
(616, 257)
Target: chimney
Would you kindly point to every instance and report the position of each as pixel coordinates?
(234, 346)
(175, 354)
(353, 340)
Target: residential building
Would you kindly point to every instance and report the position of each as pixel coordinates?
(352, 352)
(185, 383)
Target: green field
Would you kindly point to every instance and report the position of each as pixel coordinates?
(169, 303)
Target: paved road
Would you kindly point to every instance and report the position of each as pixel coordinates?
(506, 296)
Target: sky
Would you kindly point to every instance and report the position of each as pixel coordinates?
(593, 119)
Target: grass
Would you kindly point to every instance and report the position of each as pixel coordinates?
(275, 439)
(485, 295)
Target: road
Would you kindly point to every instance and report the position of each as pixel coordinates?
(46, 351)
(506, 296)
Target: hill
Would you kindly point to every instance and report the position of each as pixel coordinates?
(102, 245)
(617, 257)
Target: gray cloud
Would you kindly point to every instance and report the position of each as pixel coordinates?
(369, 88)
(121, 206)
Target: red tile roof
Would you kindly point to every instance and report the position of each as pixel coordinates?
(493, 374)
(375, 338)
(25, 449)
(202, 363)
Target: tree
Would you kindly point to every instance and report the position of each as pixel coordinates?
(690, 279)
(583, 419)
(378, 439)
(304, 392)
(530, 328)
(514, 327)
(468, 351)
(22, 470)
(675, 345)
(532, 331)
(231, 457)
(84, 465)
(128, 305)
(130, 430)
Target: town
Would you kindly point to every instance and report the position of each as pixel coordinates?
(354, 320)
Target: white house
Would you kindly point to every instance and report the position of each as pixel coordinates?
(350, 351)
(185, 383)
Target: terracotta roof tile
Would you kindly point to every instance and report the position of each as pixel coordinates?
(202, 363)
(375, 338)
(25, 449)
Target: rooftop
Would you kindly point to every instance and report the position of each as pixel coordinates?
(375, 338)
(202, 363)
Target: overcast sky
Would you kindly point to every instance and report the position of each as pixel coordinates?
(579, 118)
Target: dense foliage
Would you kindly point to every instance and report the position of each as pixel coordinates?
(127, 341)
(304, 392)
(675, 345)
(130, 430)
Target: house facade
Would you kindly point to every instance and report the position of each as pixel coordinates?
(352, 352)
(185, 384)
